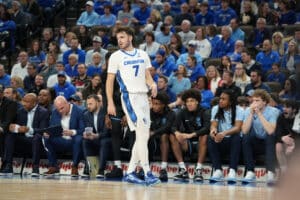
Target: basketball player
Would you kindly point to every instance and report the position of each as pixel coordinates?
(131, 68)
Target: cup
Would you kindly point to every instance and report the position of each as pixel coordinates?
(88, 130)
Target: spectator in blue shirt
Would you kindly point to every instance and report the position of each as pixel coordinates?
(225, 14)
(206, 94)
(214, 5)
(212, 35)
(76, 50)
(4, 78)
(63, 88)
(194, 69)
(276, 75)
(162, 65)
(71, 66)
(107, 19)
(237, 32)
(225, 45)
(164, 35)
(142, 14)
(99, 6)
(226, 122)
(117, 6)
(191, 51)
(89, 17)
(175, 5)
(259, 133)
(267, 56)
(204, 17)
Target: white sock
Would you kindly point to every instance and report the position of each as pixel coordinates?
(141, 143)
(182, 165)
(118, 163)
(199, 166)
(164, 165)
(133, 160)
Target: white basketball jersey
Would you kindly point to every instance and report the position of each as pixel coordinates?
(130, 70)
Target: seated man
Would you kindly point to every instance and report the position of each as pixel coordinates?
(70, 118)
(97, 140)
(162, 118)
(8, 110)
(285, 134)
(26, 132)
(258, 128)
(226, 123)
(192, 124)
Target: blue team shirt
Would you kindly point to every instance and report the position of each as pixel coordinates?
(223, 17)
(270, 114)
(225, 124)
(267, 60)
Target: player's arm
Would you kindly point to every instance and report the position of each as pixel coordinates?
(151, 83)
(111, 109)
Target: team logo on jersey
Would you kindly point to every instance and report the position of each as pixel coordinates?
(164, 120)
(198, 121)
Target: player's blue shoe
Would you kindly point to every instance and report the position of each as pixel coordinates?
(132, 178)
(150, 179)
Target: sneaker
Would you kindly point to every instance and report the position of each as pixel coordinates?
(163, 175)
(133, 178)
(7, 170)
(217, 175)
(250, 176)
(35, 172)
(271, 177)
(198, 175)
(100, 174)
(52, 171)
(231, 175)
(116, 173)
(86, 171)
(150, 179)
(182, 175)
(74, 172)
(140, 174)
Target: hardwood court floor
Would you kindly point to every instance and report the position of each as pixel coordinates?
(66, 188)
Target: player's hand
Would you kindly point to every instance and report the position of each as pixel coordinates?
(67, 132)
(124, 121)
(180, 137)
(23, 129)
(153, 89)
(111, 109)
(213, 134)
(12, 127)
(287, 140)
(219, 137)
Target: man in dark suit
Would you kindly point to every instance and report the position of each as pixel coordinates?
(8, 110)
(97, 140)
(25, 132)
(70, 118)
